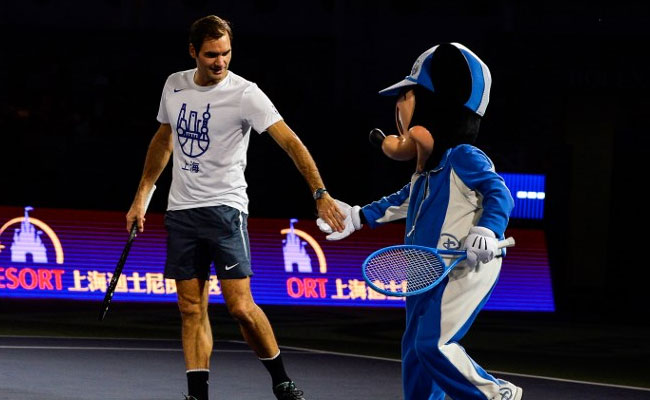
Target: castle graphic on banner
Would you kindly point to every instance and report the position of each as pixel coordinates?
(27, 241)
(294, 251)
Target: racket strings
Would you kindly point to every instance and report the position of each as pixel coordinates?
(417, 268)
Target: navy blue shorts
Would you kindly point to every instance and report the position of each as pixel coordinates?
(198, 237)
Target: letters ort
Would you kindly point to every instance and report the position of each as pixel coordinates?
(307, 287)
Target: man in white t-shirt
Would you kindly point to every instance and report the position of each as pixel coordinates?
(206, 116)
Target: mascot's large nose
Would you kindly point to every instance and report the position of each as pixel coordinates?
(418, 141)
(400, 148)
(397, 147)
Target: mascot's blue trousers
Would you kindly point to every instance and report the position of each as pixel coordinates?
(433, 363)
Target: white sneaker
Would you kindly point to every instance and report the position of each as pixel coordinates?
(508, 391)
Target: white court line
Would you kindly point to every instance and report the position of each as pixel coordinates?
(88, 338)
(316, 351)
(302, 349)
(572, 381)
(110, 348)
(98, 348)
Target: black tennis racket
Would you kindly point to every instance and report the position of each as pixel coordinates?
(406, 270)
(120, 264)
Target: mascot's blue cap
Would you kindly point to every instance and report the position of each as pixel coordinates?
(480, 77)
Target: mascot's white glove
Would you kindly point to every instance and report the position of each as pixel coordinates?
(352, 222)
(481, 245)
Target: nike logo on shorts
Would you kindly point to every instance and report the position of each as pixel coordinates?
(178, 90)
(228, 268)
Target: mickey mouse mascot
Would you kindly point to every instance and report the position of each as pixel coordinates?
(455, 200)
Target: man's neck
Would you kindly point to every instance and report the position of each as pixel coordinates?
(207, 82)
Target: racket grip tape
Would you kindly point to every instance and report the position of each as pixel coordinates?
(149, 196)
(508, 242)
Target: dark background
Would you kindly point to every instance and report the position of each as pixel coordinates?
(80, 84)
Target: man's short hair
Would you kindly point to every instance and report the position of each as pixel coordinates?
(208, 27)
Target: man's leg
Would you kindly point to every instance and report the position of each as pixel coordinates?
(257, 331)
(196, 334)
(253, 323)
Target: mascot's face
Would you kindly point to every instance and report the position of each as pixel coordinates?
(409, 142)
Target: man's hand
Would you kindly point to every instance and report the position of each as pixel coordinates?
(352, 222)
(136, 214)
(481, 245)
(331, 212)
(138, 209)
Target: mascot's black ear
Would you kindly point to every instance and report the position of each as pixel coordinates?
(450, 74)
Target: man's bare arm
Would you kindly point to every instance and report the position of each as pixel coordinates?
(290, 143)
(158, 153)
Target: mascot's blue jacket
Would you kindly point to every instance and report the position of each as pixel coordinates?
(441, 205)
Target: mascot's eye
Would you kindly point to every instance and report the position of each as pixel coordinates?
(398, 119)
(404, 111)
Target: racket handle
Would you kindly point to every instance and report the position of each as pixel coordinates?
(134, 227)
(149, 196)
(508, 242)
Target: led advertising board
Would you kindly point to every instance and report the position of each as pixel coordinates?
(71, 254)
(528, 191)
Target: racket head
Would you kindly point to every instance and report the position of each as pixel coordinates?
(407, 270)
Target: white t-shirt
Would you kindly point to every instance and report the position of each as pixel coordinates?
(211, 128)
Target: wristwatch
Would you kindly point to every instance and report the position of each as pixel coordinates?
(319, 193)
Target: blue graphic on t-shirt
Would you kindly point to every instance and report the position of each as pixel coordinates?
(194, 140)
(191, 166)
